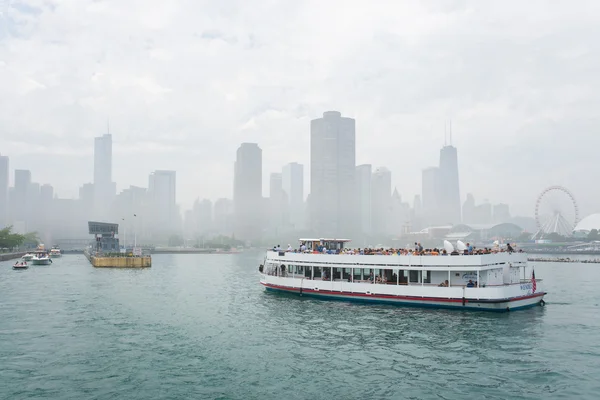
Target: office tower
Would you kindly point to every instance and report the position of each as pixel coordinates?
(469, 210)
(4, 183)
(293, 186)
(103, 159)
(278, 204)
(363, 177)
(430, 199)
(501, 213)
(223, 216)
(21, 191)
(400, 215)
(203, 216)
(449, 194)
(247, 192)
(104, 189)
(332, 169)
(131, 210)
(163, 202)
(381, 192)
(46, 193)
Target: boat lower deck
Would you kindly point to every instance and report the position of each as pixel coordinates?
(498, 305)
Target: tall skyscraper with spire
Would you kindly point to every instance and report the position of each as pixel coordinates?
(105, 189)
(441, 191)
(449, 191)
(332, 173)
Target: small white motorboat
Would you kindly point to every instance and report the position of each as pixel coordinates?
(27, 257)
(21, 265)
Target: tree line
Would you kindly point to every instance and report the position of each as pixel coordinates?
(10, 240)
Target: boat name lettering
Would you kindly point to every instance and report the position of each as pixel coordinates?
(526, 286)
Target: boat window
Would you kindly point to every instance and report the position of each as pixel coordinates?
(317, 272)
(347, 273)
(357, 274)
(308, 272)
(414, 276)
(427, 277)
(337, 273)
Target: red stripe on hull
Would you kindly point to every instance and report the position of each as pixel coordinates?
(397, 297)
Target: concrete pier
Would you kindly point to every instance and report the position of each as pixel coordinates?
(119, 262)
(11, 256)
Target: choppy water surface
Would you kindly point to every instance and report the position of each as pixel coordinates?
(200, 326)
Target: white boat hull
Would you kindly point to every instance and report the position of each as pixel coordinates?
(27, 257)
(499, 299)
(40, 261)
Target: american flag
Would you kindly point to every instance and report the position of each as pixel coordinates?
(533, 285)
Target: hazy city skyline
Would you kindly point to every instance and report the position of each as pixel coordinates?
(515, 84)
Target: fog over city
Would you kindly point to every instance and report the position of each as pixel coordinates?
(509, 89)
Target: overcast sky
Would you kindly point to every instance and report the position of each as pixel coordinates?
(185, 82)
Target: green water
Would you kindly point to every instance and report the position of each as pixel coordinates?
(201, 326)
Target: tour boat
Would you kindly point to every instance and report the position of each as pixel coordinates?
(323, 268)
(21, 265)
(41, 258)
(27, 257)
(55, 252)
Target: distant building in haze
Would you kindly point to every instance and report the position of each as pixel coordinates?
(4, 184)
(163, 202)
(278, 205)
(105, 189)
(202, 216)
(332, 170)
(381, 201)
(501, 213)
(20, 200)
(430, 196)
(449, 193)
(247, 192)
(363, 179)
(293, 186)
(223, 216)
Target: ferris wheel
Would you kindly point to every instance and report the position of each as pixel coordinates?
(556, 211)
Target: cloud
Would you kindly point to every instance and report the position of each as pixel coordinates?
(184, 82)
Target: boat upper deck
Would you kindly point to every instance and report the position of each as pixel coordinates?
(479, 261)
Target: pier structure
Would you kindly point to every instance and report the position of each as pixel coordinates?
(106, 253)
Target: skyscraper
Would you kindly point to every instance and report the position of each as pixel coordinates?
(430, 195)
(223, 216)
(163, 201)
(332, 170)
(247, 192)
(104, 189)
(293, 186)
(21, 191)
(203, 216)
(103, 159)
(381, 200)
(363, 197)
(4, 172)
(449, 193)
(278, 204)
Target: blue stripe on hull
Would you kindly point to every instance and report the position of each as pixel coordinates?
(363, 300)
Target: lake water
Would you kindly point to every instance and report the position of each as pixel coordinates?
(201, 326)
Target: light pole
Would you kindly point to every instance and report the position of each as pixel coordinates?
(124, 235)
(135, 231)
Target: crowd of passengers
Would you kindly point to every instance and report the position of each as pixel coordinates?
(418, 250)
